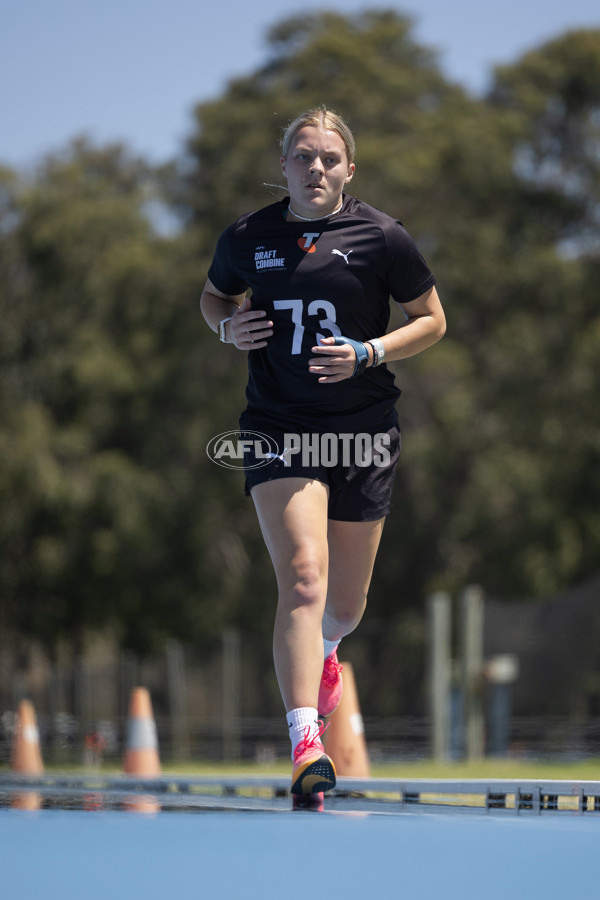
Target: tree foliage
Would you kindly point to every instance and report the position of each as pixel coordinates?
(106, 400)
(111, 385)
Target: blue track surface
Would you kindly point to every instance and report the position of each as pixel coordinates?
(55, 854)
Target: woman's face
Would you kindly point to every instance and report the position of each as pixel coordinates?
(316, 169)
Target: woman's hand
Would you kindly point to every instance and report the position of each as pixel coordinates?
(248, 328)
(335, 362)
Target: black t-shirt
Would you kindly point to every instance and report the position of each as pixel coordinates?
(329, 277)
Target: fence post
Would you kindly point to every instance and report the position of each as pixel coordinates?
(439, 618)
(180, 747)
(128, 679)
(501, 672)
(471, 640)
(231, 694)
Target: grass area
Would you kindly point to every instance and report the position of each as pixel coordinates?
(582, 770)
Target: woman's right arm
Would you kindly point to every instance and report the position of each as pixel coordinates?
(246, 328)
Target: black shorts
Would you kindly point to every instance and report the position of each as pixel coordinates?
(359, 468)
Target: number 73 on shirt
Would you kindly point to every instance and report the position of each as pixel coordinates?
(314, 308)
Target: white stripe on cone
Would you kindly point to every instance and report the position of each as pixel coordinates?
(141, 735)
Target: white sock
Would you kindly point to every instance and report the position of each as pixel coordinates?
(298, 720)
(329, 647)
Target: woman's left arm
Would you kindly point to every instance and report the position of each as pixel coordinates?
(425, 325)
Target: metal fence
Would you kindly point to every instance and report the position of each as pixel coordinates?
(66, 741)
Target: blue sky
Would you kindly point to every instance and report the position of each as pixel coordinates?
(132, 71)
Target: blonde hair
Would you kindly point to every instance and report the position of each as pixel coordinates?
(319, 118)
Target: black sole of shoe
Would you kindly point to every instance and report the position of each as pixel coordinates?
(317, 777)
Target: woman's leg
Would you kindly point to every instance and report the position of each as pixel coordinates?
(293, 517)
(352, 550)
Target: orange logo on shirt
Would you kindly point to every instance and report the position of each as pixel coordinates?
(307, 241)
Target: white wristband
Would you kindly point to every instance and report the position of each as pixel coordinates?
(378, 351)
(221, 330)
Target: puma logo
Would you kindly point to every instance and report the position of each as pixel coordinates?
(345, 255)
(280, 456)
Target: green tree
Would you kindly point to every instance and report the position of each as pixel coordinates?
(527, 511)
(109, 512)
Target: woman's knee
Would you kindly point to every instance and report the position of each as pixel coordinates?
(304, 584)
(341, 619)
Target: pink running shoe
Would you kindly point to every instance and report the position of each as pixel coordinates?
(331, 687)
(313, 771)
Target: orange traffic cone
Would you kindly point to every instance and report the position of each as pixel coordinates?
(141, 748)
(25, 754)
(345, 738)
